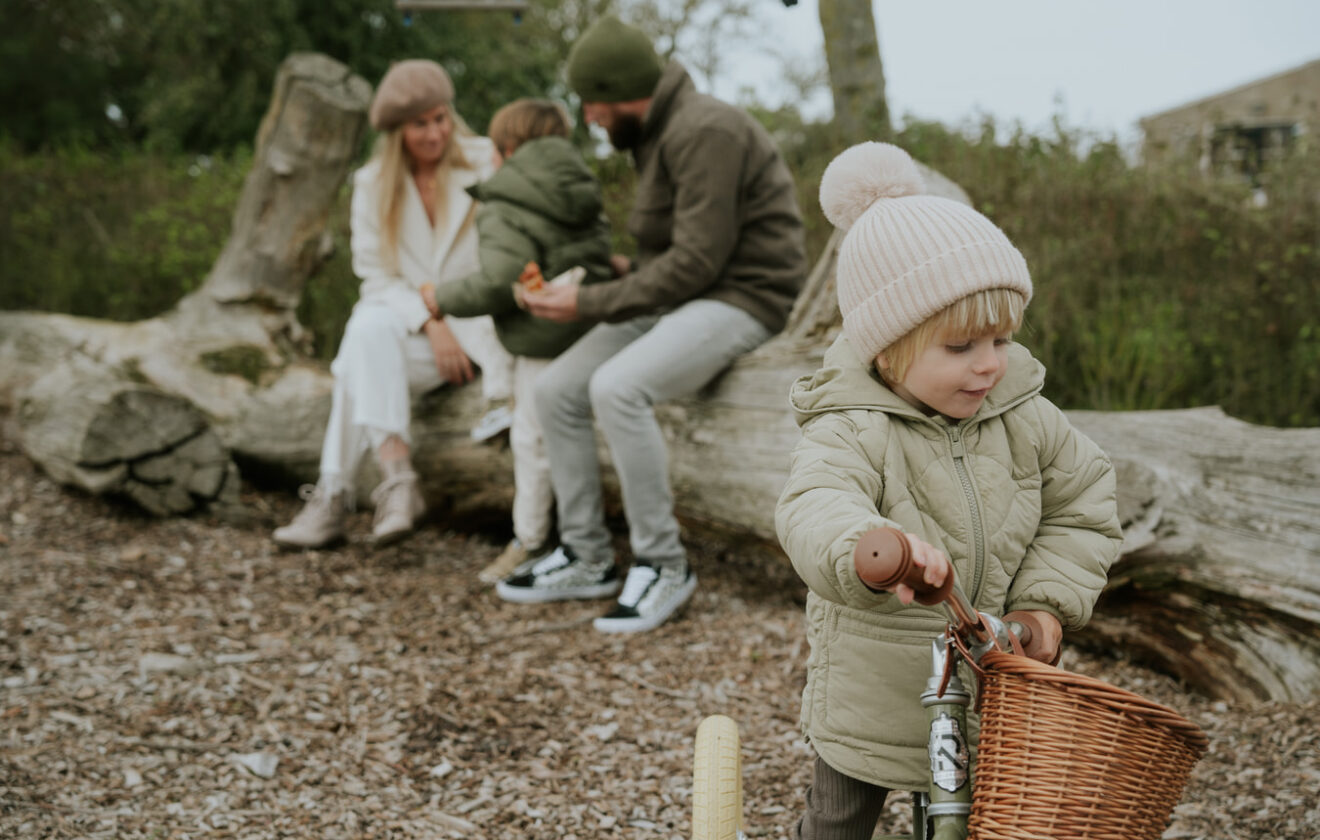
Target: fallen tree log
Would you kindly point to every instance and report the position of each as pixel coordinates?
(92, 427)
(1219, 582)
(1220, 578)
(233, 351)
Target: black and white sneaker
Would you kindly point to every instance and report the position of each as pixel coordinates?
(559, 576)
(648, 599)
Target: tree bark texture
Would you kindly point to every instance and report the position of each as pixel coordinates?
(311, 131)
(1219, 582)
(95, 428)
(857, 78)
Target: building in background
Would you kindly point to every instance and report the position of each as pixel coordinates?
(1238, 132)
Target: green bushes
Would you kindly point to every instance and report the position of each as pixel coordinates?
(124, 235)
(1154, 288)
(110, 235)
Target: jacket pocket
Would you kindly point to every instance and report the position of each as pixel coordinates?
(874, 677)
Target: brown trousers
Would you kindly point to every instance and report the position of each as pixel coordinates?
(840, 807)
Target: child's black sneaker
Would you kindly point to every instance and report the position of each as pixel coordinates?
(559, 576)
(648, 599)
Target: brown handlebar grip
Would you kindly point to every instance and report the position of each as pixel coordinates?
(883, 559)
(1031, 630)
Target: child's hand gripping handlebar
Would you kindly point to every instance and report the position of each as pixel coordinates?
(883, 560)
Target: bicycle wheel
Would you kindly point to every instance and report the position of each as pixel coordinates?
(717, 781)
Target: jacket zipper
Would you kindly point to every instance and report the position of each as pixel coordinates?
(974, 507)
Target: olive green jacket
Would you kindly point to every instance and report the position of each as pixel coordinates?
(543, 205)
(1023, 504)
(715, 214)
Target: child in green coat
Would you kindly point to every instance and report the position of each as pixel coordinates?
(925, 417)
(542, 205)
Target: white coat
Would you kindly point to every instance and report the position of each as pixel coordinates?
(426, 255)
(384, 357)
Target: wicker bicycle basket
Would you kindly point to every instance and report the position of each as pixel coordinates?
(1069, 757)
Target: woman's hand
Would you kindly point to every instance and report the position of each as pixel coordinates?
(553, 303)
(452, 363)
(428, 298)
(929, 558)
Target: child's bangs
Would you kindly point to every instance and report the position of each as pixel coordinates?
(984, 312)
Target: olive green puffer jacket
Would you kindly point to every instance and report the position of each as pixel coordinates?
(1022, 503)
(542, 205)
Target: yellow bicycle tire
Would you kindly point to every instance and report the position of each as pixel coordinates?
(717, 796)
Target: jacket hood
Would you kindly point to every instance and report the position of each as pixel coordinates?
(843, 382)
(549, 177)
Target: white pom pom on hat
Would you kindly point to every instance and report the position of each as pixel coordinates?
(863, 174)
(906, 255)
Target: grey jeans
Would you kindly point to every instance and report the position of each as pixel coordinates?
(618, 372)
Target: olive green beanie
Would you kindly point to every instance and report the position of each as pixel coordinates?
(613, 62)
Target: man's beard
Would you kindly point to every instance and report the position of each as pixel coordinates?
(626, 132)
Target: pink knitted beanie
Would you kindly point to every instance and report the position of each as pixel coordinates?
(906, 255)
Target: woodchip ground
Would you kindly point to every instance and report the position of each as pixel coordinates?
(182, 678)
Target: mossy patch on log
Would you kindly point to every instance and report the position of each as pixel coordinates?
(240, 360)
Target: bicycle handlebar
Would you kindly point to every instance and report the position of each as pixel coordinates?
(883, 559)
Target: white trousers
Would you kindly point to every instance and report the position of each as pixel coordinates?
(533, 494)
(380, 366)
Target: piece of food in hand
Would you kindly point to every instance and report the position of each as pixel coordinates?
(573, 277)
(531, 278)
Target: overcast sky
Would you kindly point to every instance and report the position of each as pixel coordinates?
(1100, 64)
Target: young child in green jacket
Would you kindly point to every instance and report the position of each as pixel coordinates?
(925, 417)
(543, 205)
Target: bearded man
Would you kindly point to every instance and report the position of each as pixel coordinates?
(720, 260)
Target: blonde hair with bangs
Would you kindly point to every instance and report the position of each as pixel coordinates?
(395, 170)
(980, 313)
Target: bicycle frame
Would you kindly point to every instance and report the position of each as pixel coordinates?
(942, 812)
(1138, 769)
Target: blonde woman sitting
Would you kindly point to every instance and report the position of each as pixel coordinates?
(412, 226)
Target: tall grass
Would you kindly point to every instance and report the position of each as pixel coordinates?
(1155, 288)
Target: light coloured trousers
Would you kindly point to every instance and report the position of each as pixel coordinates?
(379, 367)
(619, 372)
(533, 494)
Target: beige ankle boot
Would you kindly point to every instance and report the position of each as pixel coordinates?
(513, 556)
(398, 503)
(319, 523)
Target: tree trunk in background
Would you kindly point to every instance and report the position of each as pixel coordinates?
(313, 127)
(1219, 582)
(857, 78)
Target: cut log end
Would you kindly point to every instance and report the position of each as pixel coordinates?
(89, 427)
